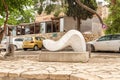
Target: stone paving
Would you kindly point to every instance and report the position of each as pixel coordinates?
(101, 66)
(34, 70)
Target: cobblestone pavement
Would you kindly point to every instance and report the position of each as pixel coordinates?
(101, 66)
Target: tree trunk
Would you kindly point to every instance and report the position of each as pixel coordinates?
(5, 22)
(78, 24)
(90, 10)
(113, 2)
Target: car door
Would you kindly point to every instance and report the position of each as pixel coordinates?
(102, 43)
(115, 43)
(18, 42)
(28, 42)
(38, 41)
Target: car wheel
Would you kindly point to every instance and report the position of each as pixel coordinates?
(40, 48)
(15, 47)
(36, 48)
(24, 49)
(43, 47)
(92, 48)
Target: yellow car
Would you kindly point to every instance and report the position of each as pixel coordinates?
(34, 43)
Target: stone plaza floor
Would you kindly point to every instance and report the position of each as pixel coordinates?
(101, 66)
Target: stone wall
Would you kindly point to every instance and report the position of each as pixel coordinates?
(58, 35)
(53, 36)
(90, 37)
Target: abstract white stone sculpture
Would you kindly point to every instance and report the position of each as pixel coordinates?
(72, 38)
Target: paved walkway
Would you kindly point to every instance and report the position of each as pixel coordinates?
(60, 71)
(100, 67)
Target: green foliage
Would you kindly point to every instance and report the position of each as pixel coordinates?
(18, 11)
(50, 8)
(1, 21)
(76, 11)
(113, 19)
(14, 5)
(16, 18)
(38, 5)
(40, 10)
(27, 17)
(56, 14)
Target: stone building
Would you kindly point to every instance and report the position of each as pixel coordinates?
(66, 23)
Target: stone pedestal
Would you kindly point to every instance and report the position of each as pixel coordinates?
(64, 56)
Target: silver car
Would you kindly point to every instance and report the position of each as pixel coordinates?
(106, 43)
(17, 42)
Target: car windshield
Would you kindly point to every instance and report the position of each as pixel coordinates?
(104, 38)
(28, 39)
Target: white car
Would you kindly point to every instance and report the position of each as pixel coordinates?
(17, 42)
(106, 43)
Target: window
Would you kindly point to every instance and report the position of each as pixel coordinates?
(19, 39)
(28, 39)
(37, 38)
(115, 37)
(105, 38)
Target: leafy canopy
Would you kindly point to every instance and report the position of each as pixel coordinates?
(50, 6)
(113, 20)
(17, 10)
(69, 7)
(77, 11)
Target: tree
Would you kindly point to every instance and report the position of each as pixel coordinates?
(79, 9)
(49, 6)
(16, 18)
(91, 11)
(9, 6)
(113, 18)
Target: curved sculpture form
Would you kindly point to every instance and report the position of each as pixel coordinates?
(72, 38)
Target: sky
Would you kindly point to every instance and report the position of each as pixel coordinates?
(104, 2)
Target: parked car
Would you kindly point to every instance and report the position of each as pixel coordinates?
(17, 42)
(34, 43)
(106, 43)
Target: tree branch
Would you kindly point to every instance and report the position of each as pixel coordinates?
(90, 10)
